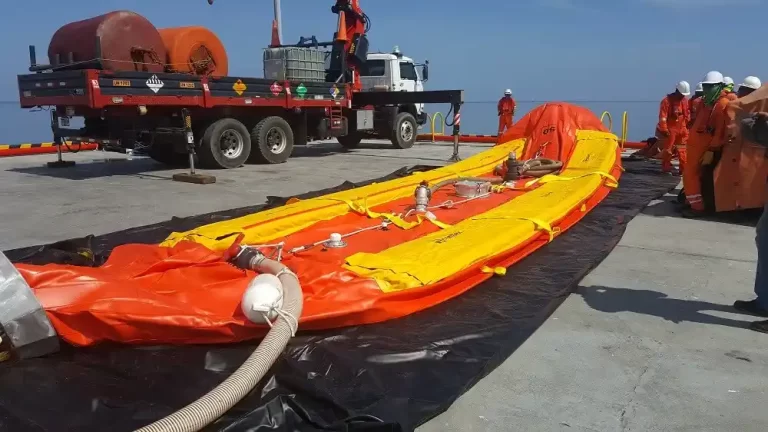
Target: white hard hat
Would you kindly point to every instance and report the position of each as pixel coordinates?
(700, 87)
(752, 82)
(728, 81)
(684, 88)
(712, 77)
(507, 92)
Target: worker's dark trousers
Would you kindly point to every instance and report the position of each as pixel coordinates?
(761, 276)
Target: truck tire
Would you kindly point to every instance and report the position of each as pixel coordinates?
(404, 131)
(350, 141)
(274, 141)
(226, 143)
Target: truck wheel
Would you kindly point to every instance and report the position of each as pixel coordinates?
(274, 141)
(225, 144)
(350, 141)
(404, 131)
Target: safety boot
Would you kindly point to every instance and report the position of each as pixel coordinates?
(751, 307)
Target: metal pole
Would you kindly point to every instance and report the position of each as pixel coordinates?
(58, 142)
(456, 132)
(190, 139)
(279, 20)
(56, 136)
(191, 176)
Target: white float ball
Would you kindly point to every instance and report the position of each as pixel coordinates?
(263, 295)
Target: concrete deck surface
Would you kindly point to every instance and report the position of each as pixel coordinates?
(648, 343)
(40, 204)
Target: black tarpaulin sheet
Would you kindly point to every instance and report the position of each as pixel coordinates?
(390, 376)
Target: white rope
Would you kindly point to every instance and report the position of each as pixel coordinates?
(267, 310)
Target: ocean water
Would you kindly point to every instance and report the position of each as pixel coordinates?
(23, 126)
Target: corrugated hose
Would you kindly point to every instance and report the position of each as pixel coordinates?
(540, 167)
(215, 403)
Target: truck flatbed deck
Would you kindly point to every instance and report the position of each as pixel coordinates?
(98, 89)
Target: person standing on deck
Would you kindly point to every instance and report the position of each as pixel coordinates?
(750, 84)
(759, 306)
(695, 103)
(705, 129)
(506, 110)
(672, 128)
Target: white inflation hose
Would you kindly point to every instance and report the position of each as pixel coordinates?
(215, 403)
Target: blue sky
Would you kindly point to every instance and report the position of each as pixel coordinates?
(623, 50)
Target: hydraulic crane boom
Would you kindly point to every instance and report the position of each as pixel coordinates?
(350, 47)
(350, 42)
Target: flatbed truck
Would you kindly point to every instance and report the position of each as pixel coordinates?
(224, 122)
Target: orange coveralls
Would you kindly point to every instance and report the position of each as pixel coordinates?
(506, 110)
(672, 129)
(694, 105)
(709, 126)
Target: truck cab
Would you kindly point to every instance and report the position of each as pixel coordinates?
(395, 72)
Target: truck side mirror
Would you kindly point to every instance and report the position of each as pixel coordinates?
(425, 71)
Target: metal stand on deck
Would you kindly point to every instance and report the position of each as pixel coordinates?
(456, 132)
(60, 162)
(191, 176)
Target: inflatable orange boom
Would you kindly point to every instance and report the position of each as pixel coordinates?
(365, 255)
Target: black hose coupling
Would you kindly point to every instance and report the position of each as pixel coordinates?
(514, 168)
(248, 259)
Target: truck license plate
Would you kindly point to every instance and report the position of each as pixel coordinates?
(121, 83)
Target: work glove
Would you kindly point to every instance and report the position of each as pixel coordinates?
(707, 158)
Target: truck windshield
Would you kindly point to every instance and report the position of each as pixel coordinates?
(373, 68)
(408, 72)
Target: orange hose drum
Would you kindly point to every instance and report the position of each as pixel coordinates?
(128, 41)
(195, 50)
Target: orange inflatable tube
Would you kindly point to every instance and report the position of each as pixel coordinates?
(183, 292)
(195, 50)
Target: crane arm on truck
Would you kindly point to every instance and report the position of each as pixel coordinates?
(349, 46)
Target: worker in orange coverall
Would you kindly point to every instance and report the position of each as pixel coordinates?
(506, 110)
(709, 126)
(695, 103)
(672, 128)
